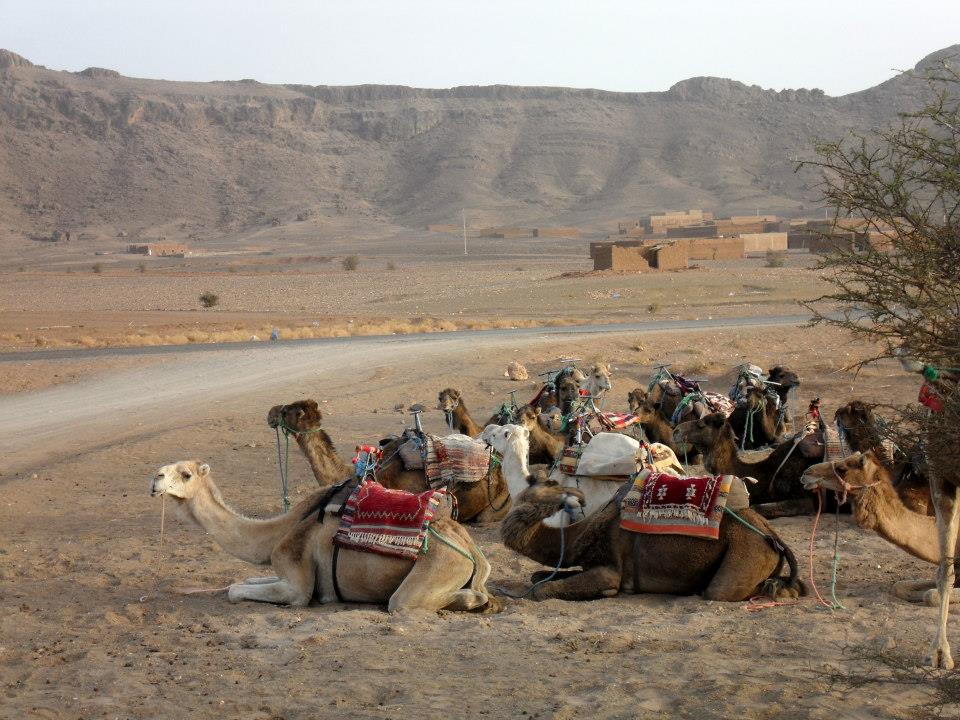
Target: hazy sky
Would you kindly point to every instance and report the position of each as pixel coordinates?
(839, 46)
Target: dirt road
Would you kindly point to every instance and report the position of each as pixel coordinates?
(197, 382)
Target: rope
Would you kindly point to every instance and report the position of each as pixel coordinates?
(494, 462)
(744, 522)
(761, 602)
(284, 469)
(156, 575)
(441, 538)
(834, 604)
(548, 578)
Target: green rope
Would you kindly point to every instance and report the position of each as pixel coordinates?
(284, 469)
(441, 538)
(837, 605)
(748, 427)
(744, 522)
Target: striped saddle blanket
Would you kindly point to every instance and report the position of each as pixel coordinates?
(720, 403)
(616, 421)
(663, 504)
(387, 522)
(455, 459)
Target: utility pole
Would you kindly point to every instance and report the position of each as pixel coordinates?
(464, 214)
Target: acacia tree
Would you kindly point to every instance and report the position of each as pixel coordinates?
(901, 183)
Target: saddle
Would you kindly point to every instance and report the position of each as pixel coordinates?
(387, 522)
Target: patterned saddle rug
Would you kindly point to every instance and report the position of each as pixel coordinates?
(662, 504)
(387, 522)
(720, 403)
(455, 459)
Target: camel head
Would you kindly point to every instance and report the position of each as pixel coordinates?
(637, 397)
(854, 414)
(598, 379)
(786, 377)
(508, 440)
(180, 480)
(853, 474)
(755, 399)
(555, 496)
(701, 433)
(448, 399)
(301, 416)
(567, 392)
(528, 416)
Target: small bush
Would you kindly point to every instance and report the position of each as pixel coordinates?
(97, 268)
(231, 269)
(21, 269)
(653, 307)
(391, 266)
(142, 268)
(776, 258)
(209, 299)
(351, 262)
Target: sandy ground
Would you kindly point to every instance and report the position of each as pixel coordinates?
(79, 545)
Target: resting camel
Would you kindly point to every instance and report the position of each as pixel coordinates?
(654, 423)
(714, 437)
(785, 379)
(303, 421)
(755, 420)
(450, 400)
(483, 501)
(859, 431)
(737, 566)
(512, 441)
(299, 547)
(597, 382)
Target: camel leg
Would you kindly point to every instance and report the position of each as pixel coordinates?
(437, 581)
(948, 516)
(742, 572)
(260, 580)
(293, 586)
(281, 592)
(922, 591)
(596, 582)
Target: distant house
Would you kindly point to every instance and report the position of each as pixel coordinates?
(164, 249)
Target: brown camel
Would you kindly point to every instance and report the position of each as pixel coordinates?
(486, 500)
(458, 417)
(785, 379)
(755, 420)
(778, 474)
(302, 420)
(860, 432)
(879, 507)
(654, 423)
(299, 547)
(545, 446)
(737, 566)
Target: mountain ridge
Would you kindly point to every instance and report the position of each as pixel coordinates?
(94, 148)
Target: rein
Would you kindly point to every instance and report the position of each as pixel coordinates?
(496, 460)
(283, 459)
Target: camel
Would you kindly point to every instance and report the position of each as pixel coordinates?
(299, 547)
(512, 443)
(778, 473)
(483, 501)
(756, 420)
(654, 423)
(785, 379)
(545, 447)
(302, 420)
(859, 432)
(597, 382)
(458, 417)
(737, 566)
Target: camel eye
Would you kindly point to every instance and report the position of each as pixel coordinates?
(185, 474)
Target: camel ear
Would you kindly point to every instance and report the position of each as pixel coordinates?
(312, 404)
(863, 459)
(203, 469)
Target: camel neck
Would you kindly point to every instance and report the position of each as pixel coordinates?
(879, 508)
(244, 538)
(515, 468)
(322, 457)
(462, 422)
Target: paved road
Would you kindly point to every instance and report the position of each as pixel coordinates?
(201, 381)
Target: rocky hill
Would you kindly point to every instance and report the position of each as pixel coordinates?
(96, 149)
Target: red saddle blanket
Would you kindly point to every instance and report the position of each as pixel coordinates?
(388, 522)
(662, 504)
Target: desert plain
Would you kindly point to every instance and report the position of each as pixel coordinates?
(108, 374)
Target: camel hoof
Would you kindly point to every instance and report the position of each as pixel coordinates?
(939, 659)
(931, 597)
(492, 607)
(234, 593)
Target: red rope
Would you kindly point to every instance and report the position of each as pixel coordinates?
(813, 535)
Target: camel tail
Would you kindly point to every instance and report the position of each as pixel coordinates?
(776, 582)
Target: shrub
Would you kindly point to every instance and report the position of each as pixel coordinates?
(391, 266)
(97, 268)
(351, 262)
(142, 267)
(776, 258)
(209, 299)
(653, 307)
